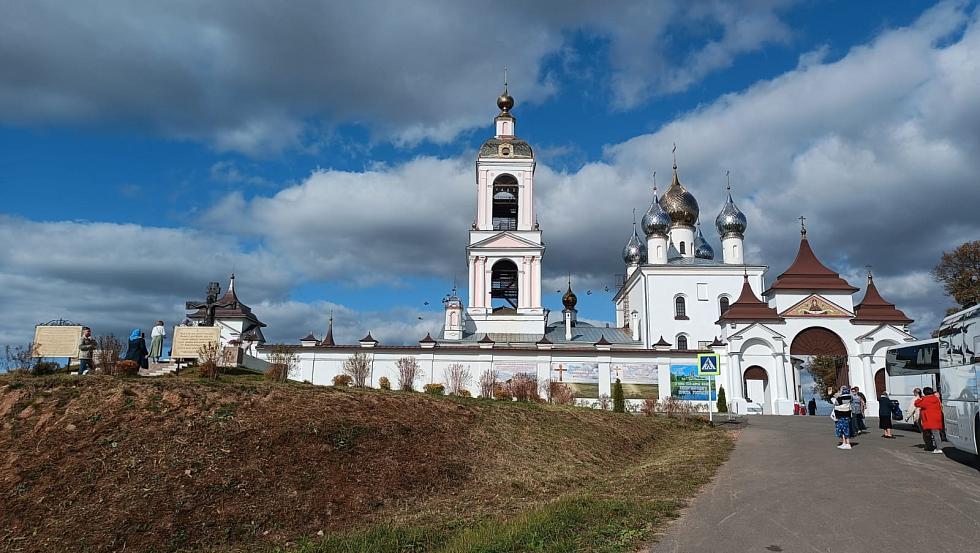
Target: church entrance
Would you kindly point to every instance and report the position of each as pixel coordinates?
(818, 342)
(756, 384)
(879, 382)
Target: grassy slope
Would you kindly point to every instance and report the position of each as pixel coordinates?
(166, 464)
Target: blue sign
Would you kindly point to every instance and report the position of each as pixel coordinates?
(708, 364)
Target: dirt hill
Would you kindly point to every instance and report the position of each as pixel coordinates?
(105, 464)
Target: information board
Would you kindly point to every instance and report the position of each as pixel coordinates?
(57, 341)
(189, 339)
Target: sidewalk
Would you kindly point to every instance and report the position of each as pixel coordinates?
(787, 488)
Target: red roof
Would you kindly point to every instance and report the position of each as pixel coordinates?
(749, 308)
(874, 309)
(808, 273)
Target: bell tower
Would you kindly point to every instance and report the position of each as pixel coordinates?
(505, 247)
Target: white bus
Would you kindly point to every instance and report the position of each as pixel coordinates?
(909, 366)
(959, 341)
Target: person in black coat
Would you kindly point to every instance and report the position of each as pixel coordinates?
(811, 406)
(136, 350)
(885, 415)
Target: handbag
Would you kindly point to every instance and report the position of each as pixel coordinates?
(896, 411)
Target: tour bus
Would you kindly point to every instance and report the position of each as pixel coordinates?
(959, 341)
(909, 366)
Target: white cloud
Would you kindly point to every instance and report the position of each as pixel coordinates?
(248, 77)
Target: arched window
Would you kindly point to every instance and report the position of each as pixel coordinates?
(723, 304)
(680, 308)
(505, 192)
(682, 249)
(503, 284)
(681, 341)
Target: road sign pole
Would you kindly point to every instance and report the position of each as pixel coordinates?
(711, 419)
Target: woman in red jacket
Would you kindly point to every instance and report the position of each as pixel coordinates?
(931, 418)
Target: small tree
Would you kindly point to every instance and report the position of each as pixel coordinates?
(457, 378)
(619, 402)
(208, 356)
(21, 359)
(722, 400)
(959, 273)
(603, 402)
(384, 383)
(408, 371)
(824, 369)
(357, 367)
(524, 387)
(107, 351)
(488, 382)
(282, 363)
(560, 393)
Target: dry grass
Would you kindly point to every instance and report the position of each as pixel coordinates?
(100, 463)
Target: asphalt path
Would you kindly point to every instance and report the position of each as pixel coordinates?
(788, 488)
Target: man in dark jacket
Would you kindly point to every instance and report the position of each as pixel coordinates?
(811, 407)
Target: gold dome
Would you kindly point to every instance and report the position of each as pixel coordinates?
(680, 204)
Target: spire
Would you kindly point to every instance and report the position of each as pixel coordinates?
(873, 309)
(674, 152)
(808, 273)
(328, 338)
(505, 101)
(748, 307)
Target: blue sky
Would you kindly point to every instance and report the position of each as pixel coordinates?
(325, 155)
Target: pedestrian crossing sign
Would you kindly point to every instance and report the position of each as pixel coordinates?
(708, 364)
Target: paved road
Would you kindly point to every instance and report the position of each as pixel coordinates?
(787, 488)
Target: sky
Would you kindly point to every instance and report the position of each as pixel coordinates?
(324, 152)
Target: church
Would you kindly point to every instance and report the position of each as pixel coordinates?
(678, 300)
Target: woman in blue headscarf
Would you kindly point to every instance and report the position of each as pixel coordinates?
(137, 349)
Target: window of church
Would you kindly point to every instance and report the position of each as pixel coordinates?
(681, 341)
(503, 285)
(680, 308)
(682, 249)
(723, 305)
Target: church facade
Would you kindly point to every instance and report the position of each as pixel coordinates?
(678, 300)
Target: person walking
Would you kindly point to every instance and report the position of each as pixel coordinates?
(811, 406)
(136, 349)
(885, 415)
(157, 336)
(862, 401)
(86, 350)
(842, 416)
(931, 419)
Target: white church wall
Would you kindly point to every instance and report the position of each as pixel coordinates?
(702, 308)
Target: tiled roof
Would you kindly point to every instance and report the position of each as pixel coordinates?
(874, 309)
(808, 273)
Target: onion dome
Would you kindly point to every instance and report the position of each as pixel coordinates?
(569, 299)
(505, 101)
(655, 221)
(702, 249)
(731, 221)
(679, 203)
(635, 251)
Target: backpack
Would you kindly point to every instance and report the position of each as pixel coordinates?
(896, 411)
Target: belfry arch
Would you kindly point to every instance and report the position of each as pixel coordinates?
(505, 202)
(817, 340)
(504, 285)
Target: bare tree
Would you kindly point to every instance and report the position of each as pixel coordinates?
(524, 387)
(282, 363)
(488, 382)
(108, 349)
(457, 378)
(20, 359)
(358, 368)
(408, 372)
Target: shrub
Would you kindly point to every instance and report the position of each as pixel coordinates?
(560, 393)
(488, 383)
(722, 400)
(107, 352)
(208, 356)
(524, 387)
(434, 389)
(464, 393)
(42, 368)
(408, 371)
(282, 363)
(649, 406)
(341, 381)
(384, 383)
(603, 402)
(126, 368)
(457, 377)
(501, 391)
(619, 402)
(357, 367)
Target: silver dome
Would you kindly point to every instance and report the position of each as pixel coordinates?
(635, 251)
(656, 221)
(731, 222)
(702, 249)
(680, 204)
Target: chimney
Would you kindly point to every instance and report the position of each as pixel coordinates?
(568, 325)
(635, 324)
